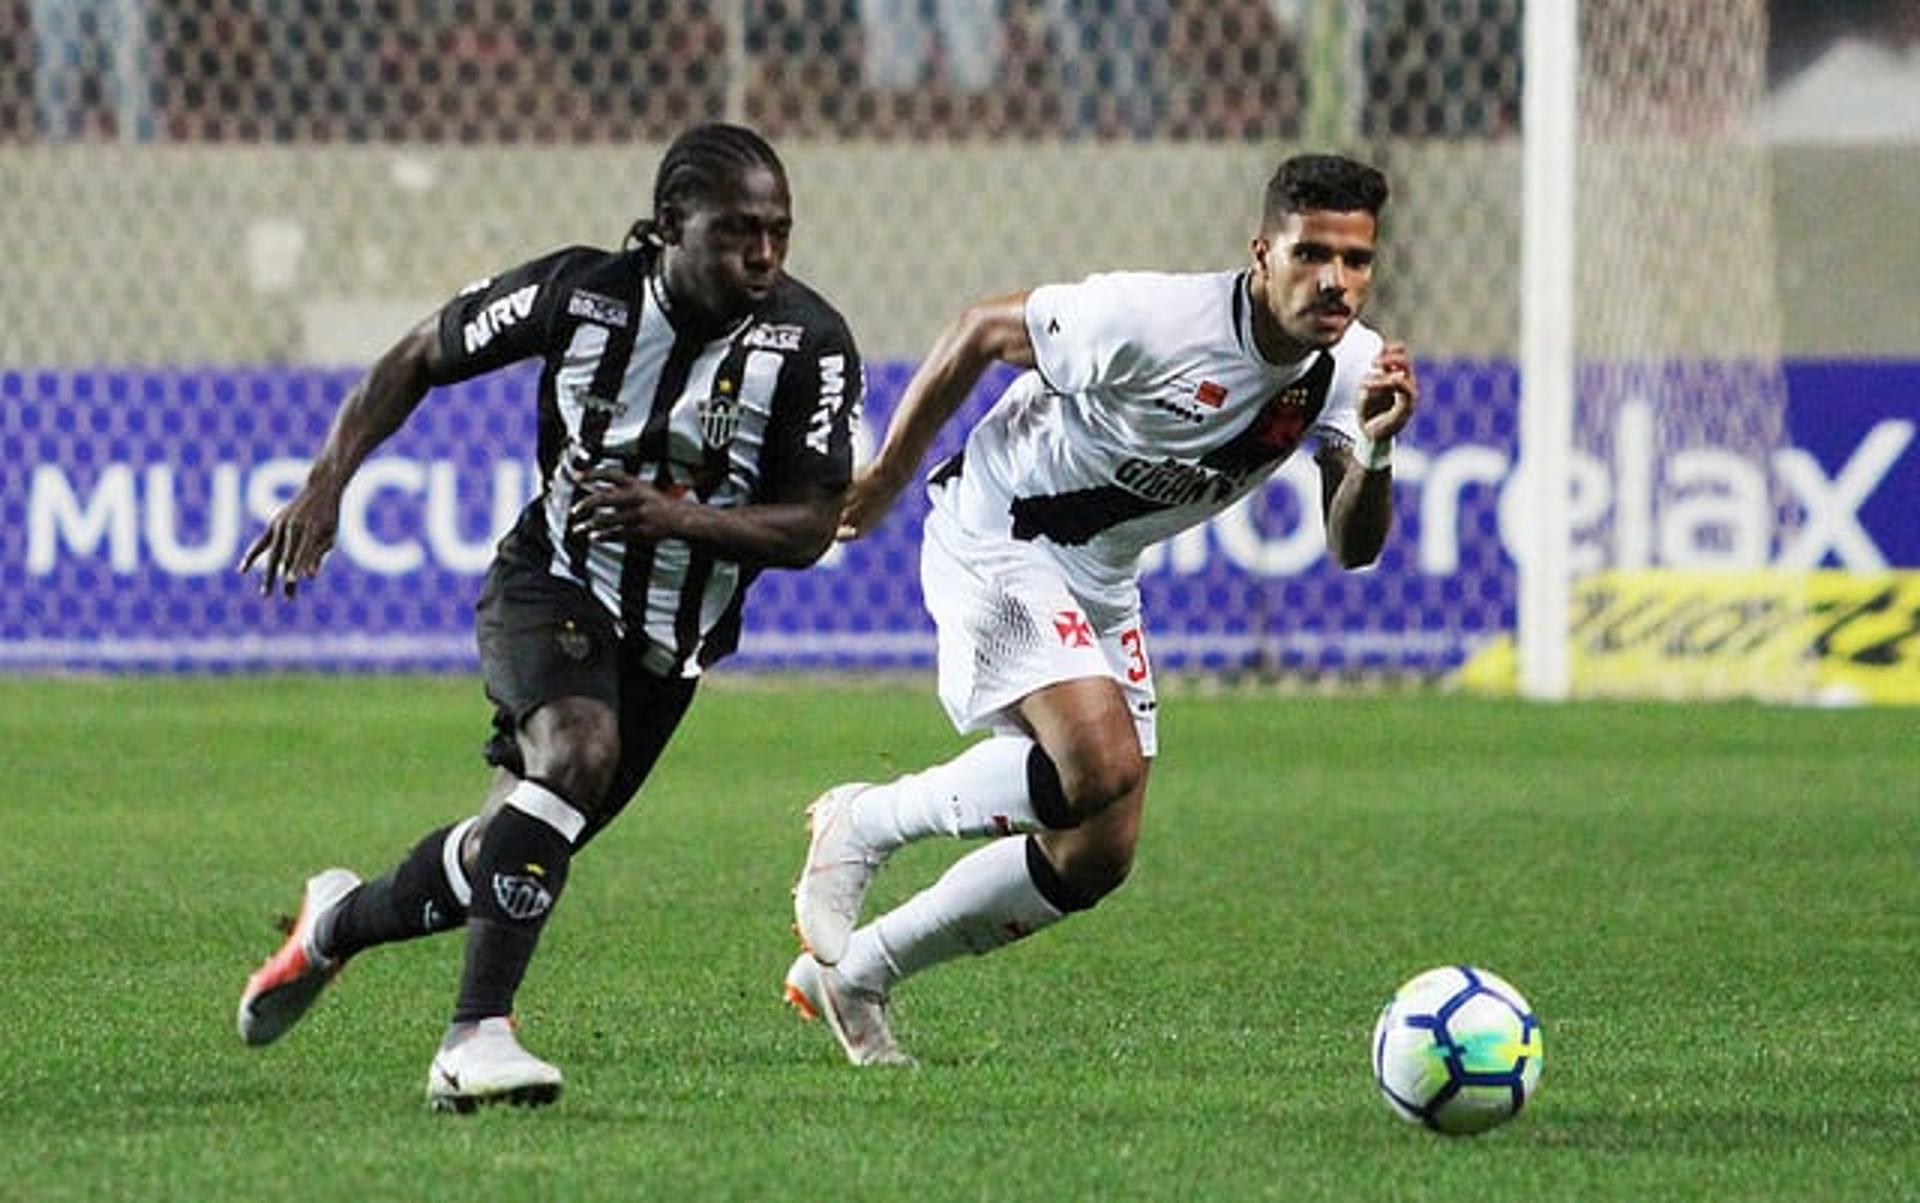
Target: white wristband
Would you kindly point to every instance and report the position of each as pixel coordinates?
(1378, 455)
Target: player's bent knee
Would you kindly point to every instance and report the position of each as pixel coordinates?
(583, 773)
(1094, 782)
(575, 751)
(1091, 862)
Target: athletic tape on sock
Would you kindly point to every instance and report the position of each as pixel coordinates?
(450, 861)
(536, 801)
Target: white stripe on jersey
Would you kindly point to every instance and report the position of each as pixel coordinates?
(758, 378)
(651, 343)
(577, 368)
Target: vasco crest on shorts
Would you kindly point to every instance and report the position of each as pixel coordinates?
(719, 415)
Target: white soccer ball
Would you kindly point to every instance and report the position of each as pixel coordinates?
(1457, 1049)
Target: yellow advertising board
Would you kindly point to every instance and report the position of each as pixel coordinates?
(1831, 637)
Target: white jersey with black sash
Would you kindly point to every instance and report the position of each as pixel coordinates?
(760, 413)
(1150, 410)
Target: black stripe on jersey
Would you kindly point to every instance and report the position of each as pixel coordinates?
(949, 469)
(686, 620)
(1072, 518)
(724, 638)
(1280, 425)
(652, 448)
(603, 395)
(716, 453)
(715, 460)
(1242, 285)
(602, 403)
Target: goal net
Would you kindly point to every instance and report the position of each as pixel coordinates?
(1675, 574)
(218, 212)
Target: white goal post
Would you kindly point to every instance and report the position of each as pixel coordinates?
(1551, 127)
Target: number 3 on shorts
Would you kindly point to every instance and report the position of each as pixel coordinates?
(1134, 642)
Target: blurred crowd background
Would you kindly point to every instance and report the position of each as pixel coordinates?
(576, 71)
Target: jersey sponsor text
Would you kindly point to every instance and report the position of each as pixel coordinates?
(497, 316)
(833, 391)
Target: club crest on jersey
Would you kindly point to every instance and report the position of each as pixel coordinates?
(719, 416)
(596, 308)
(1284, 422)
(1211, 394)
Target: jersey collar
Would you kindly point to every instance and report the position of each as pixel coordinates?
(663, 298)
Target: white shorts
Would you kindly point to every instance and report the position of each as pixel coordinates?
(1010, 624)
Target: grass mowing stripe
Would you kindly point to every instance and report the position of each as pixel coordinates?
(1713, 908)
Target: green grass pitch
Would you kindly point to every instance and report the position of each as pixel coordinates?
(1715, 910)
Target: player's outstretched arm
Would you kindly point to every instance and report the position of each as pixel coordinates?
(299, 536)
(1357, 499)
(783, 534)
(984, 332)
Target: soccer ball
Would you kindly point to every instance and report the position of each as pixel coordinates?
(1457, 1049)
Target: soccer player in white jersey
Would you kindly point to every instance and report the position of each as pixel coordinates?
(1150, 402)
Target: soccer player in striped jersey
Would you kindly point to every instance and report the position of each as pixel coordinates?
(694, 411)
(1150, 402)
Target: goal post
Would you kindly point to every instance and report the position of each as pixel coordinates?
(1653, 413)
(1550, 133)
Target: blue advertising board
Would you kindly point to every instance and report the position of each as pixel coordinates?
(126, 497)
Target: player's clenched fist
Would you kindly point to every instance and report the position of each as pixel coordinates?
(1389, 393)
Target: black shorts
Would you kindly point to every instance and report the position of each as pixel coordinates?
(543, 638)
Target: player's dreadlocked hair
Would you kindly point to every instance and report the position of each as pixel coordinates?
(1331, 182)
(702, 165)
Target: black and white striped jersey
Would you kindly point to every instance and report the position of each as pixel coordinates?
(759, 414)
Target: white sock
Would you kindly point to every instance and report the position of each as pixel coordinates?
(981, 792)
(987, 900)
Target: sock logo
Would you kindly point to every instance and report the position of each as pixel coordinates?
(522, 898)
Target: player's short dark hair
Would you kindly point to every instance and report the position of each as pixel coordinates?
(1332, 182)
(703, 165)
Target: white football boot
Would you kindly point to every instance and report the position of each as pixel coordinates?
(483, 1062)
(826, 902)
(281, 990)
(857, 1018)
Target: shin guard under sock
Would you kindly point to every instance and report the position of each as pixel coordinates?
(518, 876)
(1002, 786)
(991, 897)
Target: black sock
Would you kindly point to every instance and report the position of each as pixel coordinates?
(412, 900)
(518, 876)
